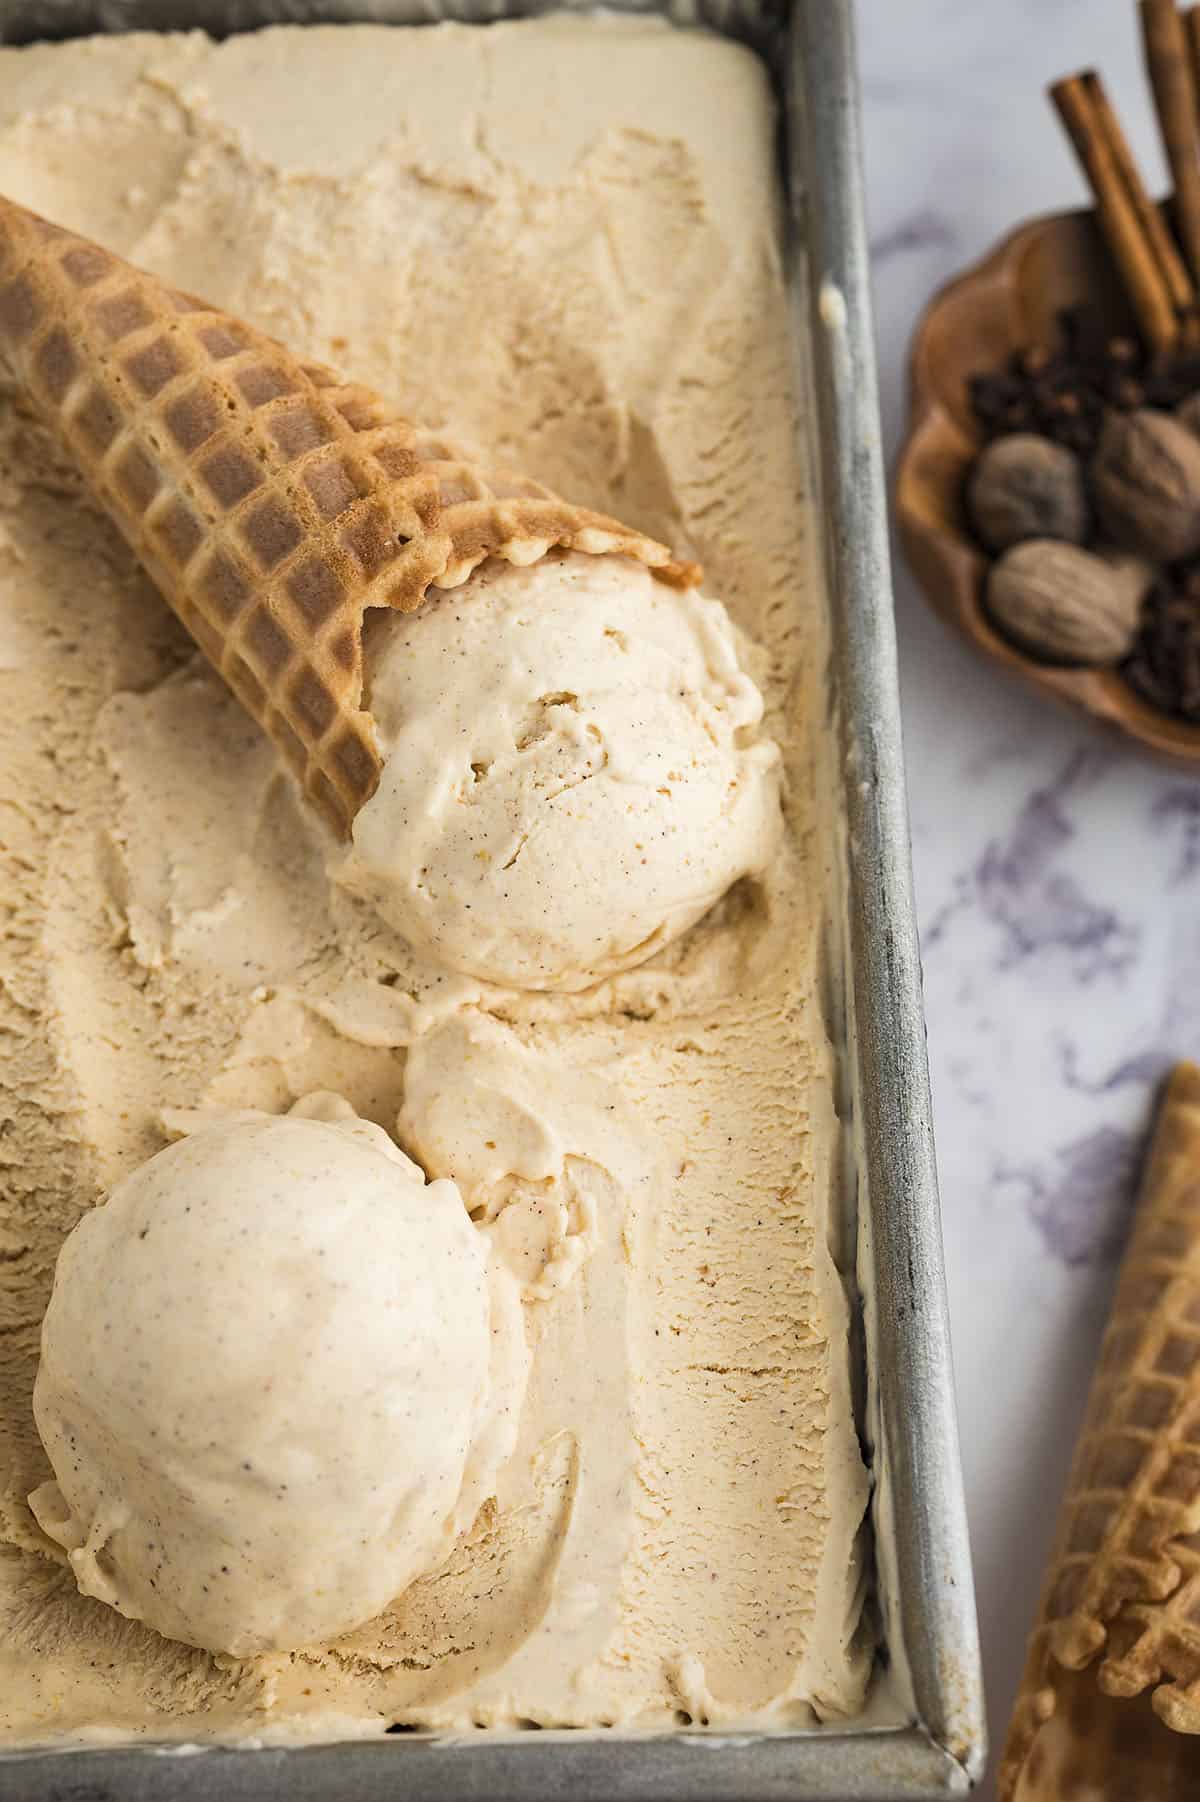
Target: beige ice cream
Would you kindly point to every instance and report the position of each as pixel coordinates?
(572, 775)
(540, 1152)
(594, 289)
(277, 1380)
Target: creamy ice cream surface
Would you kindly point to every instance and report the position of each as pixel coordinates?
(538, 1152)
(572, 774)
(276, 1381)
(593, 288)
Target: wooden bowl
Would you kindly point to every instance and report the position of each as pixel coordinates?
(1007, 302)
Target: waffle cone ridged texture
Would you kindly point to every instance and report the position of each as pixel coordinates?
(1114, 1659)
(271, 502)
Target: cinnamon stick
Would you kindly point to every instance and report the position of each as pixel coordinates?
(1191, 25)
(1158, 284)
(1169, 66)
(1162, 246)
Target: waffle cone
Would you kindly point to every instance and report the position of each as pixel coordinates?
(271, 501)
(1096, 1748)
(1114, 1659)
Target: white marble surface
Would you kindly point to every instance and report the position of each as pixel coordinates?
(1058, 876)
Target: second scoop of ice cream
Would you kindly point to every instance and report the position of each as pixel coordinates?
(278, 1376)
(572, 775)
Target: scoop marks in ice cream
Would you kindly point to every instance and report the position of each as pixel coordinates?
(572, 775)
(541, 1150)
(279, 1372)
(678, 1526)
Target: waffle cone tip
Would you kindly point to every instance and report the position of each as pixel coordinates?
(272, 502)
(1124, 1581)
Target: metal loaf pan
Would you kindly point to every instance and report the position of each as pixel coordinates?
(921, 1556)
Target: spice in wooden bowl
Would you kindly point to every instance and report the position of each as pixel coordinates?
(1080, 440)
(1023, 486)
(1068, 605)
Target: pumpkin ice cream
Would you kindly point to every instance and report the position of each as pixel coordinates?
(572, 775)
(594, 289)
(277, 1379)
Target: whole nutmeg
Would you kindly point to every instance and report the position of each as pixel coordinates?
(1065, 605)
(1145, 480)
(1024, 486)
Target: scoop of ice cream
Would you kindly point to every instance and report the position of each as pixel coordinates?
(572, 775)
(278, 1375)
(540, 1149)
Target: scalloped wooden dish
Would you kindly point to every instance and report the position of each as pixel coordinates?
(1009, 300)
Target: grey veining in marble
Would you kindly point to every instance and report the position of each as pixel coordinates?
(1058, 875)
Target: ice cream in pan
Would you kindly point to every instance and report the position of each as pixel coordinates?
(295, 1481)
(546, 774)
(279, 1374)
(545, 781)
